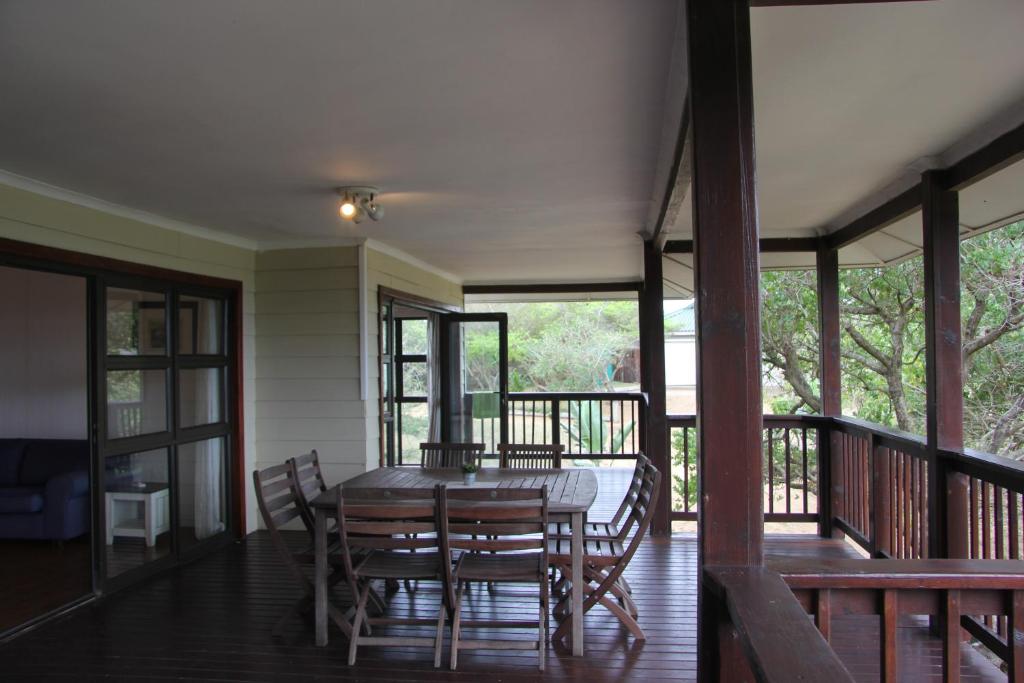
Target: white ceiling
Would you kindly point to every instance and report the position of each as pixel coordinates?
(853, 102)
(505, 135)
(514, 141)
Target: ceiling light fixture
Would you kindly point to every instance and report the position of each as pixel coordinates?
(359, 202)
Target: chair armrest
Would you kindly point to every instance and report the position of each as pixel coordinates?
(66, 486)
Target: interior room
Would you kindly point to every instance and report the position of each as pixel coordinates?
(45, 492)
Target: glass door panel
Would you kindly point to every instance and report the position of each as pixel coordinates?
(136, 322)
(166, 441)
(200, 396)
(476, 378)
(137, 506)
(136, 402)
(202, 491)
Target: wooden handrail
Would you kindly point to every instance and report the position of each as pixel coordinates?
(778, 641)
(947, 588)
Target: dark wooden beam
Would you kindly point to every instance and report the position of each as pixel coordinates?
(679, 175)
(652, 379)
(996, 155)
(768, 245)
(830, 368)
(830, 379)
(782, 245)
(678, 247)
(947, 494)
(900, 206)
(729, 410)
(554, 288)
(801, 3)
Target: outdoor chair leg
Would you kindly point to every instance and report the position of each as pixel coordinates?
(353, 642)
(442, 612)
(542, 625)
(456, 626)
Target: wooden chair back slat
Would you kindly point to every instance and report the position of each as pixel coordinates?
(278, 501)
(391, 519)
(530, 456)
(511, 519)
(634, 486)
(309, 482)
(443, 454)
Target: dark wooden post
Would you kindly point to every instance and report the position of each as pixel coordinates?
(729, 404)
(830, 483)
(652, 371)
(947, 491)
(881, 499)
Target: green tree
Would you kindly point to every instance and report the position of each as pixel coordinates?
(882, 342)
(563, 346)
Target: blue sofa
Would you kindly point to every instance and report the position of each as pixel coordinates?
(44, 488)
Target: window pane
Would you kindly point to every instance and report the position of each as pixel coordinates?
(414, 379)
(200, 326)
(414, 337)
(136, 402)
(199, 395)
(202, 495)
(137, 510)
(414, 431)
(136, 323)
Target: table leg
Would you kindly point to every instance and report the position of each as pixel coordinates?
(577, 584)
(320, 577)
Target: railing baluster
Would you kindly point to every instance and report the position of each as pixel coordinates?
(803, 451)
(686, 469)
(789, 496)
(1011, 515)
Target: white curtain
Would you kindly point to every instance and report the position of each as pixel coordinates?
(434, 377)
(209, 486)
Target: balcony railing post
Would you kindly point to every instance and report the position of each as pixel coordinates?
(556, 425)
(881, 501)
(825, 511)
(947, 492)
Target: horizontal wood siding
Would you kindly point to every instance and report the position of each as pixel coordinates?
(307, 359)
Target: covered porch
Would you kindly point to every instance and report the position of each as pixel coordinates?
(244, 317)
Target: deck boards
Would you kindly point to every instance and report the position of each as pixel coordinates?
(211, 620)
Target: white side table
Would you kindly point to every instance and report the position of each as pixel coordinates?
(138, 512)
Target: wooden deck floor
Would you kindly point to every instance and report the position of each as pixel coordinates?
(211, 620)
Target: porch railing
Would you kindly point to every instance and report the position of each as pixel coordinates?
(590, 425)
(791, 473)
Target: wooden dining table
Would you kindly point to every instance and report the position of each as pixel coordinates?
(571, 492)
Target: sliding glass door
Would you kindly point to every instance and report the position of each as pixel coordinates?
(164, 426)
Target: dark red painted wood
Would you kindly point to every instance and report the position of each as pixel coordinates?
(830, 488)
(887, 213)
(727, 292)
(652, 367)
(947, 495)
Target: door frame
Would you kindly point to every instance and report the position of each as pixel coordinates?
(385, 296)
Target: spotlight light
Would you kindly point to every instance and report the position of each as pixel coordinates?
(359, 202)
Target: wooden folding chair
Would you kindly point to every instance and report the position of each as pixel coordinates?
(605, 559)
(397, 529)
(611, 527)
(515, 523)
(310, 482)
(277, 496)
(606, 530)
(442, 454)
(530, 456)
